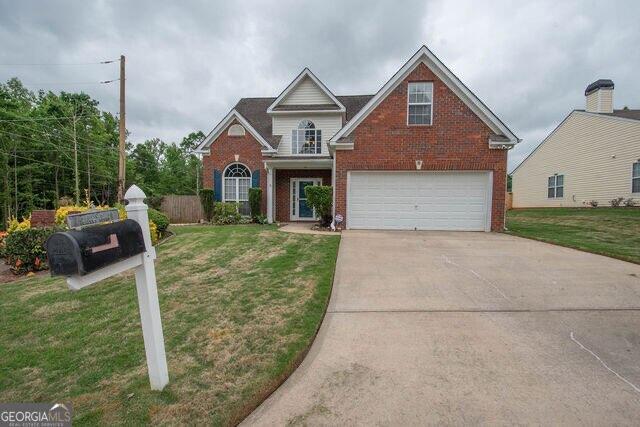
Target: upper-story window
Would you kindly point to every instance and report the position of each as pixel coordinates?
(420, 103)
(555, 187)
(306, 139)
(635, 178)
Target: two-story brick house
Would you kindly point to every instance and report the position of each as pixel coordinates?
(423, 153)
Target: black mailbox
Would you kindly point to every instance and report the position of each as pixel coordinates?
(78, 252)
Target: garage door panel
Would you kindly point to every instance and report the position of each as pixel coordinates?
(418, 200)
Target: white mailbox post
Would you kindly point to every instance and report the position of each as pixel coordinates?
(146, 288)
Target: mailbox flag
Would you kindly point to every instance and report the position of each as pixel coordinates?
(217, 185)
(255, 178)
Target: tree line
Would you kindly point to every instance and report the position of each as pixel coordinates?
(62, 148)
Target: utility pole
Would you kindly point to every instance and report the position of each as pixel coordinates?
(121, 157)
(75, 161)
(88, 174)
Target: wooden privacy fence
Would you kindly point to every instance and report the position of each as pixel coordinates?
(182, 209)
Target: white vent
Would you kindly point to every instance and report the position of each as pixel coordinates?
(236, 130)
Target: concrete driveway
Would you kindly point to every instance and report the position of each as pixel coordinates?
(469, 328)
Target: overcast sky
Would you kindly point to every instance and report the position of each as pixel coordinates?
(188, 62)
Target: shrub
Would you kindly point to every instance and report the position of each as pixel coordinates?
(629, 202)
(153, 232)
(160, 219)
(14, 225)
(226, 213)
(320, 198)
(206, 199)
(25, 249)
(616, 202)
(261, 219)
(593, 203)
(3, 244)
(64, 211)
(255, 202)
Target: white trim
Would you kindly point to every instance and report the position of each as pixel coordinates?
(305, 73)
(270, 189)
(305, 112)
(488, 198)
(430, 104)
(204, 147)
(333, 146)
(632, 177)
(292, 196)
(555, 186)
(333, 184)
(489, 204)
(424, 55)
(237, 178)
(310, 163)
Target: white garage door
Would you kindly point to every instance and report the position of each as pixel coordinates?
(419, 200)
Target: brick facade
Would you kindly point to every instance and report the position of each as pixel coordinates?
(283, 189)
(457, 140)
(223, 151)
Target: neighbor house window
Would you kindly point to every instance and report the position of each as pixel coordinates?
(306, 139)
(635, 178)
(420, 99)
(555, 188)
(237, 181)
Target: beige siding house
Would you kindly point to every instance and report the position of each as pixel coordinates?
(593, 154)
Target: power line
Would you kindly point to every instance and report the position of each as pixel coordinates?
(68, 83)
(107, 150)
(40, 119)
(58, 64)
(54, 165)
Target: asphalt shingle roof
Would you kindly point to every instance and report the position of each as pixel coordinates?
(255, 111)
(627, 114)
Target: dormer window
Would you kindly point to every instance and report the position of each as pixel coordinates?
(420, 103)
(306, 139)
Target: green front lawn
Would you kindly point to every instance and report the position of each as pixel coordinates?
(240, 306)
(614, 232)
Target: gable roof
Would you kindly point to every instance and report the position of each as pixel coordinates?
(617, 114)
(224, 123)
(306, 73)
(254, 111)
(424, 55)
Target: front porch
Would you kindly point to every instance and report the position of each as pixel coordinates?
(286, 179)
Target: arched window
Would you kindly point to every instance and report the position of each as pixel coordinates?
(236, 130)
(306, 139)
(237, 181)
(306, 124)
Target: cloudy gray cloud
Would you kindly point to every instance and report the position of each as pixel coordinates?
(188, 62)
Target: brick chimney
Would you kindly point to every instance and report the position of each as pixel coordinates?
(600, 96)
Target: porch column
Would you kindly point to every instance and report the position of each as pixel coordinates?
(270, 188)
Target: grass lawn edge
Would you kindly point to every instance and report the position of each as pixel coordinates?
(551, 242)
(293, 365)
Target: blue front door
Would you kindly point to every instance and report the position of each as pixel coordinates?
(299, 208)
(304, 211)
